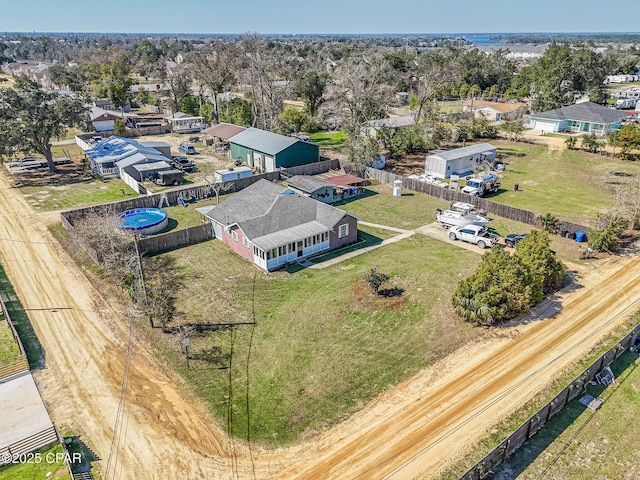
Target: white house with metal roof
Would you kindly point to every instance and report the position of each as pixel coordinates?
(371, 128)
(459, 161)
(272, 226)
(586, 117)
(121, 157)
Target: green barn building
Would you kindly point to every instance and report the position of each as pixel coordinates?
(267, 151)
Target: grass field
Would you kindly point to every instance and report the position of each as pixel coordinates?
(21, 322)
(580, 443)
(51, 465)
(9, 350)
(334, 140)
(573, 185)
(68, 194)
(322, 345)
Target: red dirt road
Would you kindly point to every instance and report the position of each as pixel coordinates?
(412, 431)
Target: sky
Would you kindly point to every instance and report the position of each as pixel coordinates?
(326, 16)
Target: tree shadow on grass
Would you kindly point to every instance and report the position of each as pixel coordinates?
(391, 292)
(367, 193)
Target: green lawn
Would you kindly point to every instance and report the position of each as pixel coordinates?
(71, 193)
(329, 139)
(378, 205)
(47, 463)
(323, 345)
(573, 185)
(9, 350)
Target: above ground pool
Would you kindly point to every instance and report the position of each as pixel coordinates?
(144, 221)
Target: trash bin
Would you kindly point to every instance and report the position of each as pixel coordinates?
(515, 187)
(581, 237)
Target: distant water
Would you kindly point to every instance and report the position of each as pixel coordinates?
(482, 40)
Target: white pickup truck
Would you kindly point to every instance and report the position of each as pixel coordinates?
(476, 234)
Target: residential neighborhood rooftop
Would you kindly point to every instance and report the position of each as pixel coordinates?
(585, 112)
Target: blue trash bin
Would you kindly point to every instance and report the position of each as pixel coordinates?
(581, 236)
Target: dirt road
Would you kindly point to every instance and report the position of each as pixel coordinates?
(409, 432)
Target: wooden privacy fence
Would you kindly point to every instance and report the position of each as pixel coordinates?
(312, 168)
(172, 240)
(529, 428)
(512, 213)
(148, 201)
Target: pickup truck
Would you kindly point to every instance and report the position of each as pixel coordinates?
(476, 234)
(183, 163)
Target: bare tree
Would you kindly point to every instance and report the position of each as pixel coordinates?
(214, 69)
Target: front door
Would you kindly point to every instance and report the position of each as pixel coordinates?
(299, 249)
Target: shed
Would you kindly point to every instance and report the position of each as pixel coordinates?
(268, 152)
(146, 171)
(313, 187)
(232, 173)
(184, 123)
(459, 161)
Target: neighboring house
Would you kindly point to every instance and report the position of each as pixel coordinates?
(105, 104)
(587, 117)
(272, 226)
(371, 128)
(312, 187)
(460, 161)
(112, 157)
(495, 111)
(621, 79)
(102, 120)
(184, 123)
(268, 152)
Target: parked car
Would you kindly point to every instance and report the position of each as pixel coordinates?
(187, 148)
(183, 163)
(476, 234)
(513, 238)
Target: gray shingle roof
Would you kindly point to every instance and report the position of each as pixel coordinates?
(464, 151)
(264, 210)
(585, 112)
(307, 183)
(262, 141)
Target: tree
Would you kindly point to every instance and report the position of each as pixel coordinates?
(501, 288)
(311, 88)
(375, 279)
(570, 142)
(293, 119)
(549, 222)
(591, 142)
(627, 138)
(535, 253)
(30, 117)
(605, 237)
(513, 128)
(213, 67)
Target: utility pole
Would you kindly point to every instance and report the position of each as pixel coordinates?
(141, 272)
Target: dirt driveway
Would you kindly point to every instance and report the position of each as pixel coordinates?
(411, 431)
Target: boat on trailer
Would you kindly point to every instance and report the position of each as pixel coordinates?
(460, 214)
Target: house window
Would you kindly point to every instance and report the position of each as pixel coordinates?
(343, 230)
(234, 235)
(245, 242)
(325, 236)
